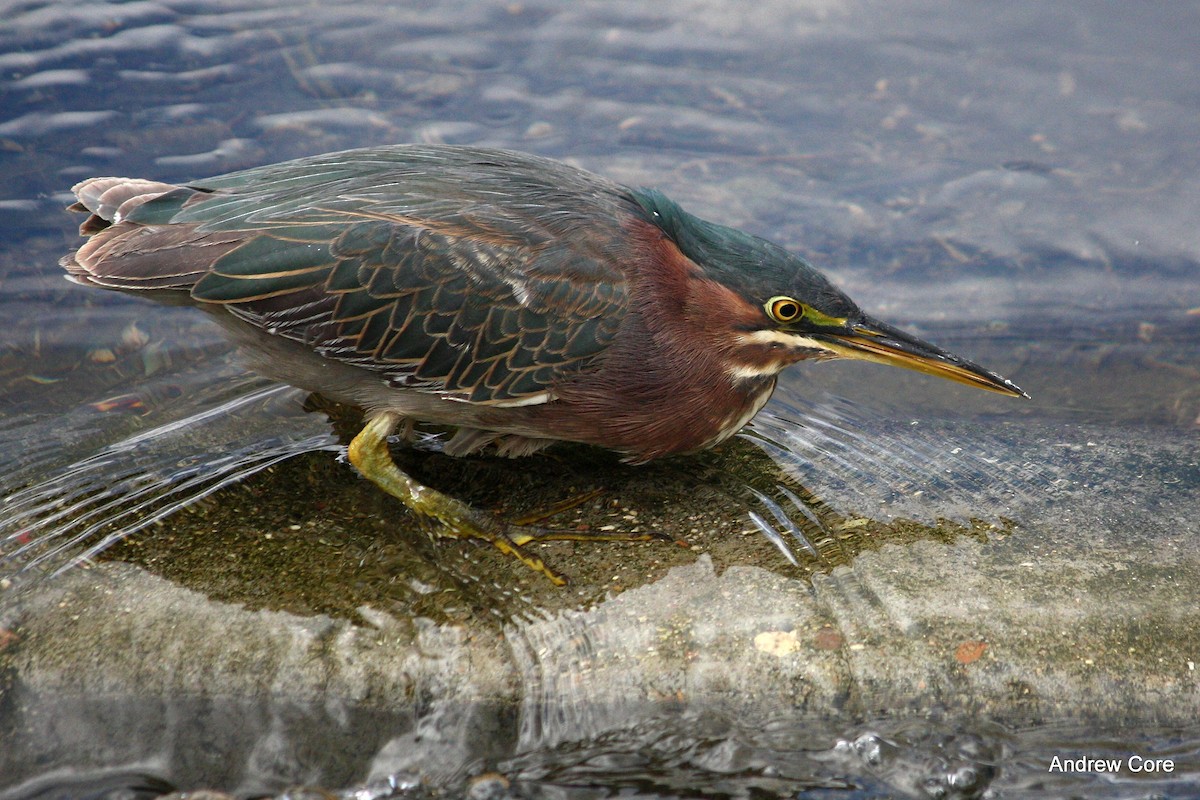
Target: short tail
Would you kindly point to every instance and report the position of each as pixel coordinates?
(125, 250)
(110, 200)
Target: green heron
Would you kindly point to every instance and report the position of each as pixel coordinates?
(518, 299)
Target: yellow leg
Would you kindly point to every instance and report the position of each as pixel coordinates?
(368, 452)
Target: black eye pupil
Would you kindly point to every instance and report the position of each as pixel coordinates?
(787, 311)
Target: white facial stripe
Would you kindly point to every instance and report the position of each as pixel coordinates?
(742, 372)
(783, 338)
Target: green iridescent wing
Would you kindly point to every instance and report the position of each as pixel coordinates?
(440, 269)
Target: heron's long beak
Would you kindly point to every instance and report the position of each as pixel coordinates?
(870, 340)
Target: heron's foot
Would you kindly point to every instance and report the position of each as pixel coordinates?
(368, 452)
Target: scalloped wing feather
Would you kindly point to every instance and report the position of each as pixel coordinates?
(448, 270)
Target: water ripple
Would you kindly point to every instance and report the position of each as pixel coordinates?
(854, 457)
(71, 512)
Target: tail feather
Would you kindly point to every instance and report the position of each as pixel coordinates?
(126, 255)
(112, 199)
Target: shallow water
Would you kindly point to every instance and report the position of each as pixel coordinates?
(715, 757)
(1017, 185)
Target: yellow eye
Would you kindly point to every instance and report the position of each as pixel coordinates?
(784, 309)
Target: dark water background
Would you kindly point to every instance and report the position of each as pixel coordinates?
(1018, 182)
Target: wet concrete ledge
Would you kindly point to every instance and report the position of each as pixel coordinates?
(111, 665)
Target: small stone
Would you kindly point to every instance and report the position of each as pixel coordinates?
(133, 337)
(102, 355)
(829, 638)
(777, 643)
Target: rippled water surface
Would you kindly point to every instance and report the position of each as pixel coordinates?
(1015, 183)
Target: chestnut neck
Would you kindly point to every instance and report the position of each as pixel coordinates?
(664, 385)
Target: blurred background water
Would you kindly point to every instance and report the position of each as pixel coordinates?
(1015, 182)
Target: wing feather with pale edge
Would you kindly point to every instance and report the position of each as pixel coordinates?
(486, 276)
